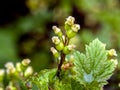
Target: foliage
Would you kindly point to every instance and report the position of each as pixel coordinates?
(94, 67)
(75, 71)
(29, 35)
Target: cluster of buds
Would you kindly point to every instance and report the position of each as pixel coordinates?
(10, 69)
(21, 68)
(70, 27)
(61, 40)
(13, 72)
(111, 55)
(112, 52)
(67, 66)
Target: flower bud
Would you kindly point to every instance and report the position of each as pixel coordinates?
(18, 67)
(70, 20)
(112, 52)
(28, 71)
(10, 68)
(60, 46)
(75, 27)
(9, 65)
(67, 66)
(55, 40)
(68, 49)
(70, 33)
(26, 62)
(57, 31)
(55, 52)
(71, 47)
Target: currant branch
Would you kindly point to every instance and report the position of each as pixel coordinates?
(61, 41)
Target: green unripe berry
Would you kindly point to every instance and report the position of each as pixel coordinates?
(60, 46)
(70, 33)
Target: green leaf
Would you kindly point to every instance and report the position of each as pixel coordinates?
(75, 85)
(42, 80)
(62, 85)
(93, 68)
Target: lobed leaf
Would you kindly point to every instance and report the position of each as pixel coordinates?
(43, 79)
(93, 68)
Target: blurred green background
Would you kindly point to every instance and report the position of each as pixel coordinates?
(25, 29)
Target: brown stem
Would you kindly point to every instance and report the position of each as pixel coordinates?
(60, 64)
(62, 58)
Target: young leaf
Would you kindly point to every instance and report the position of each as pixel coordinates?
(93, 68)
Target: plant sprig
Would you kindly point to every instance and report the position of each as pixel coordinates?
(61, 41)
(75, 70)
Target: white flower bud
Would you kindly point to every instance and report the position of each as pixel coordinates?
(55, 40)
(68, 49)
(56, 29)
(10, 68)
(11, 71)
(28, 71)
(18, 67)
(71, 47)
(54, 51)
(25, 62)
(9, 65)
(75, 27)
(112, 52)
(70, 20)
